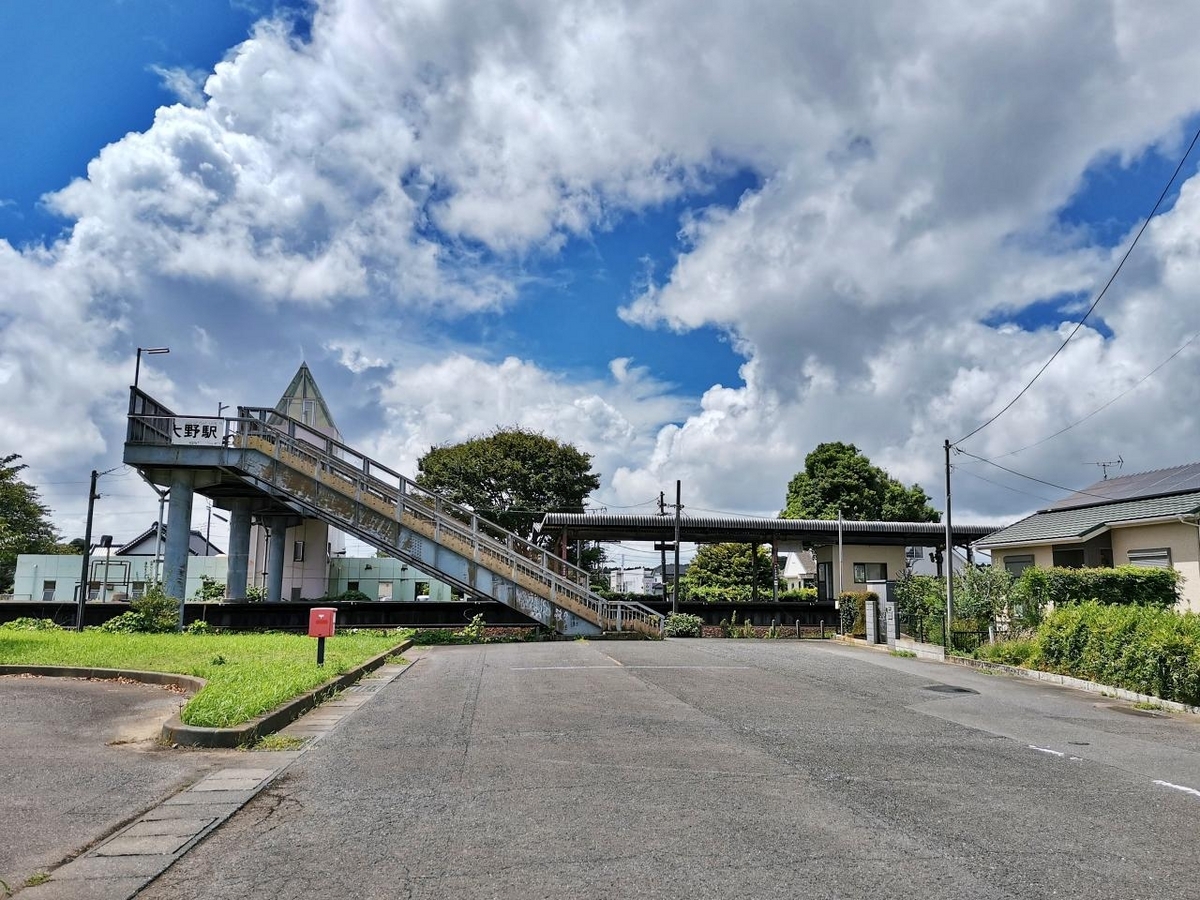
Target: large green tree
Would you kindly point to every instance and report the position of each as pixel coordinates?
(24, 522)
(511, 476)
(729, 572)
(839, 476)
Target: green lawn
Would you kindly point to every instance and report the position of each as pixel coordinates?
(248, 674)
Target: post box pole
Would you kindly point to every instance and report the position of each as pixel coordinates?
(320, 651)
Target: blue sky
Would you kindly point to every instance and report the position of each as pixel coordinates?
(463, 216)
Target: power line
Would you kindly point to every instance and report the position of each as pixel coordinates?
(1007, 487)
(1162, 196)
(1101, 409)
(1031, 478)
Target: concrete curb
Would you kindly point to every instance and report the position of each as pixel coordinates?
(1068, 681)
(189, 683)
(174, 730)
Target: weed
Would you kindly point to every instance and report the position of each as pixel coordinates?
(279, 742)
(37, 878)
(1147, 704)
(903, 654)
(218, 660)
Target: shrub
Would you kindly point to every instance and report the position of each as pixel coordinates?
(210, 590)
(198, 627)
(856, 603)
(799, 595)
(28, 623)
(1137, 585)
(152, 613)
(1140, 648)
(1021, 652)
(683, 625)
(473, 633)
(256, 594)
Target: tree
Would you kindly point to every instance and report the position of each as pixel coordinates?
(838, 476)
(24, 522)
(510, 477)
(729, 572)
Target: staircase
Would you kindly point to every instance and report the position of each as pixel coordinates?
(276, 457)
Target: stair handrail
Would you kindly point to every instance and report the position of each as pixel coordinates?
(556, 573)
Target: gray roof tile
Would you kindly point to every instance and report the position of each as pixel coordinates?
(1079, 522)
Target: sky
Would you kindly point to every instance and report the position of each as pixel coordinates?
(696, 240)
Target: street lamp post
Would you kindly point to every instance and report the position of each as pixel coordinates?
(152, 351)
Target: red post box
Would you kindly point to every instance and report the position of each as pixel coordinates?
(321, 622)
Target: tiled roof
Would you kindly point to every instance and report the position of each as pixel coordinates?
(1080, 522)
(1137, 486)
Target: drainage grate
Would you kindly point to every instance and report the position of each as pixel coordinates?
(362, 689)
(949, 689)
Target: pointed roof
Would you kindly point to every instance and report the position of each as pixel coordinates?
(303, 401)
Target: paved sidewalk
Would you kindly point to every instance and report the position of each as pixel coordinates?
(122, 864)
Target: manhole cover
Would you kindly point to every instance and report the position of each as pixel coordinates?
(949, 689)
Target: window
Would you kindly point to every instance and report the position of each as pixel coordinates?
(48, 591)
(1017, 563)
(352, 585)
(1158, 558)
(295, 594)
(297, 551)
(864, 572)
(139, 588)
(1068, 557)
(308, 411)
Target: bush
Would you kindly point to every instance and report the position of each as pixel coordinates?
(347, 597)
(683, 625)
(198, 627)
(1124, 585)
(1140, 648)
(855, 604)
(28, 623)
(152, 613)
(1021, 652)
(799, 595)
(210, 590)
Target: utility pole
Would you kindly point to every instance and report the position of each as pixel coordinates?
(87, 551)
(678, 510)
(949, 555)
(662, 547)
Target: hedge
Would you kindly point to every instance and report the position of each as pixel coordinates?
(1144, 649)
(1138, 585)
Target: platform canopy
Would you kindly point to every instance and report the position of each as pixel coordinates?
(741, 529)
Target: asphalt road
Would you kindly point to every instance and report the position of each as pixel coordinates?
(77, 759)
(718, 769)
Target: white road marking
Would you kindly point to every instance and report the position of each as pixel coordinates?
(1179, 787)
(1047, 750)
(618, 666)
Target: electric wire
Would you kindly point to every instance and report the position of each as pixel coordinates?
(1105, 406)
(1032, 478)
(1162, 196)
(1007, 487)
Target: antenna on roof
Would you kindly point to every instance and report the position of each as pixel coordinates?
(1117, 463)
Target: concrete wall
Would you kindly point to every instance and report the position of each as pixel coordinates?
(34, 570)
(383, 578)
(309, 575)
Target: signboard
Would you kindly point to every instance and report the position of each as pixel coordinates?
(201, 432)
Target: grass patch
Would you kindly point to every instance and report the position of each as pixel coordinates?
(1148, 705)
(248, 674)
(37, 878)
(903, 654)
(279, 742)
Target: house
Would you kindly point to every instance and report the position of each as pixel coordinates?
(1144, 519)
(797, 570)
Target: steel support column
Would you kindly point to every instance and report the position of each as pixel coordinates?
(239, 550)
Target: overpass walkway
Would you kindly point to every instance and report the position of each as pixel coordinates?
(286, 467)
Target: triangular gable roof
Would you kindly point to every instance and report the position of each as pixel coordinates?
(302, 388)
(143, 544)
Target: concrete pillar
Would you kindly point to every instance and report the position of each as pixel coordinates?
(239, 550)
(179, 534)
(179, 538)
(276, 545)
